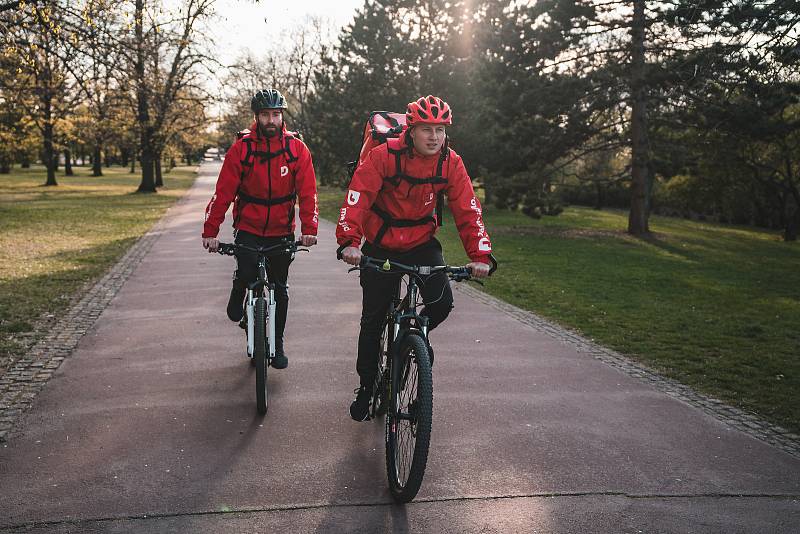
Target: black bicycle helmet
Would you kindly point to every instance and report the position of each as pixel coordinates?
(267, 99)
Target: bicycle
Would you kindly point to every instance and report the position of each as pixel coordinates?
(403, 388)
(260, 312)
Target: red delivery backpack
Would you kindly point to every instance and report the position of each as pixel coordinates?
(380, 126)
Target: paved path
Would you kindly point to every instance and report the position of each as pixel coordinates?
(150, 425)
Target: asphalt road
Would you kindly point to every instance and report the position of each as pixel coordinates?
(150, 425)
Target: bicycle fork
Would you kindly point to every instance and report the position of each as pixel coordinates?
(250, 310)
(271, 323)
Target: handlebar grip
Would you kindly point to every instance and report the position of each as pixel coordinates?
(226, 249)
(340, 249)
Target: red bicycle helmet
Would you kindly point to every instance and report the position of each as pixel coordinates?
(430, 110)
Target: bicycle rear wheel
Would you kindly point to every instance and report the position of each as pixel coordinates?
(260, 354)
(408, 424)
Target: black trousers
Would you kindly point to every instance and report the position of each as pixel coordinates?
(378, 290)
(277, 271)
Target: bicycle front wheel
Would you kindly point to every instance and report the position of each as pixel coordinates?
(381, 384)
(408, 424)
(260, 354)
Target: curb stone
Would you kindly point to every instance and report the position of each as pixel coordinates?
(733, 417)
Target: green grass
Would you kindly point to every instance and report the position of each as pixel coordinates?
(714, 306)
(55, 240)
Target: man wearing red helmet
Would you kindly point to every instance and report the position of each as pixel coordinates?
(391, 204)
(266, 171)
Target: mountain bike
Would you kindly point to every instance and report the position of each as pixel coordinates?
(259, 316)
(403, 388)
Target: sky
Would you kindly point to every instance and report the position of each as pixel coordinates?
(242, 25)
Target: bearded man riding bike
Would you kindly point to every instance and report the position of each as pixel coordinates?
(266, 171)
(391, 204)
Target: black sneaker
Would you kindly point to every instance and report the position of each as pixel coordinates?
(359, 408)
(235, 304)
(279, 361)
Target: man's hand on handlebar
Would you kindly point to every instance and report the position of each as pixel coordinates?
(478, 269)
(211, 244)
(308, 240)
(351, 255)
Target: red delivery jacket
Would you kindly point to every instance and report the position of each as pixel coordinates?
(392, 199)
(264, 178)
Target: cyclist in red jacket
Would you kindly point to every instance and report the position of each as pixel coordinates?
(391, 204)
(266, 171)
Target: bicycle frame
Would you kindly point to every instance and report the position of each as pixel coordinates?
(405, 309)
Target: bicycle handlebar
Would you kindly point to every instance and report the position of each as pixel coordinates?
(229, 249)
(457, 274)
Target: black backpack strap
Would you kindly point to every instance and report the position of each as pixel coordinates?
(287, 148)
(440, 197)
(247, 161)
(244, 198)
(264, 156)
(413, 180)
(389, 221)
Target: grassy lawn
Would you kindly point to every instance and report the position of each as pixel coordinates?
(714, 306)
(57, 239)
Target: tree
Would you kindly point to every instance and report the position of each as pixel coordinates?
(165, 56)
(391, 53)
(35, 48)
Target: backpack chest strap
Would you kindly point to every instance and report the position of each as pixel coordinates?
(389, 221)
(244, 198)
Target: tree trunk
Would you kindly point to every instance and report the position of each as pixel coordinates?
(26, 162)
(147, 185)
(793, 220)
(5, 166)
(600, 196)
(640, 155)
(159, 176)
(68, 162)
(124, 157)
(133, 164)
(49, 157)
(97, 167)
(790, 233)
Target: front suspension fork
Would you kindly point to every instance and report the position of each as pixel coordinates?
(251, 312)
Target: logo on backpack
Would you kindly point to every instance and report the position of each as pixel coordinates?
(352, 197)
(284, 170)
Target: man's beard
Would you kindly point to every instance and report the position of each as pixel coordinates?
(268, 131)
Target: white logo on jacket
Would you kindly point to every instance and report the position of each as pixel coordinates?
(284, 170)
(343, 220)
(483, 245)
(352, 197)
